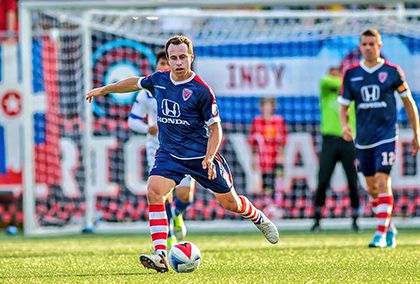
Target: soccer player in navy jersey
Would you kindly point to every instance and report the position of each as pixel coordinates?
(145, 107)
(190, 134)
(371, 84)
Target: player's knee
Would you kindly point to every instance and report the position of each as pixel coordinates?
(382, 182)
(371, 188)
(154, 195)
(381, 186)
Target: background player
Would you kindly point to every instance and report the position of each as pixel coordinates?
(334, 148)
(267, 137)
(371, 84)
(145, 107)
(190, 134)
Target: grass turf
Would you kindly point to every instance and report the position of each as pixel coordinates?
(299, 257)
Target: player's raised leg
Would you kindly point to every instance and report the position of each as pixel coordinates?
(220, 181)
(157, 191)
(240, 204)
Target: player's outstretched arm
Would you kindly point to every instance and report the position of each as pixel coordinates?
(123, 86)
(413, 115)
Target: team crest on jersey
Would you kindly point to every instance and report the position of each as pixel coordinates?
(186, 94)
(382, 76)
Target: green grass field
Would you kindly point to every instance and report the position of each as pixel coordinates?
(300, 257)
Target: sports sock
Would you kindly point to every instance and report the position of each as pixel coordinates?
(373, 204)
(383, 212)
(168, 209)
(180, 206)
(158, 227)
(249, 211)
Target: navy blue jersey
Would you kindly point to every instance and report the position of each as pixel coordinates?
(373, 89)
(184, 112)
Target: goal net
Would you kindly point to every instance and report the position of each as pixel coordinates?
(86, 167)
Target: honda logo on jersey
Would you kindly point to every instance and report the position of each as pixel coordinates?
(170, 108)
(370, 93)
(382, 76)
(186, 94)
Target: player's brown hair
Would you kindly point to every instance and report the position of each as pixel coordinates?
(161, 54)
(177, 40)
(270, 100)
(372, 32)
(334, 68)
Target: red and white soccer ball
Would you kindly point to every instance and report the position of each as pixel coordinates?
(184, 257)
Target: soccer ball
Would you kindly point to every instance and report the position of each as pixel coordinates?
(184, 257)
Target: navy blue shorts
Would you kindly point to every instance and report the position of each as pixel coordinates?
(376, 159)
(175, 169)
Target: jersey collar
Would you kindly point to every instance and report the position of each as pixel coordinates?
(181, 82)
(374, 68)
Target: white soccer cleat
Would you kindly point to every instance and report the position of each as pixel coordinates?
(268, 229)
(155, 261)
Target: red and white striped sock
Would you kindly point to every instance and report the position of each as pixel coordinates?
(383, 212)
(373, 204)
(249, 211)
(158, 222)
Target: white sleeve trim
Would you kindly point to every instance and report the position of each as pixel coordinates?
(139, 82)
(343, 101)
(213, 120)
(403, 94)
